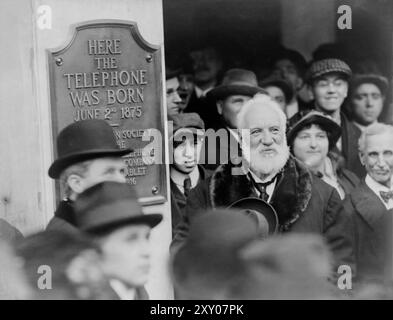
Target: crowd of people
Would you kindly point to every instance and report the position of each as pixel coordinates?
(279, 181)
(305, 138)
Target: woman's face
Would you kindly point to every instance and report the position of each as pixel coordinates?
(311, 145)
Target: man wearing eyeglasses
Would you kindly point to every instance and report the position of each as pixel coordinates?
(186, 144)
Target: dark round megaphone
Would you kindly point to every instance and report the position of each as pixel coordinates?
(262, 212)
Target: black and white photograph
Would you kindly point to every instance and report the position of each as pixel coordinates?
(196, 150)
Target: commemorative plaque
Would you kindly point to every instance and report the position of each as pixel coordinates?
(108, 71)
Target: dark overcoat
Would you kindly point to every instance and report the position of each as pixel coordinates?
(178, 199)
(303, 202)
(64, 219)
(372, 232)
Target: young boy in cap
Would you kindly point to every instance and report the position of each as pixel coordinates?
(110, 213)
(328, 83)
(185, 172)
(87, 154)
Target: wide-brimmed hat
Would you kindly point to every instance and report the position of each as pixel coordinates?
(303, 119)
(381, 82)
(280, 83)
(236, 82)
(84, 140)
(325, 66)
(109, 205)
(261, 211)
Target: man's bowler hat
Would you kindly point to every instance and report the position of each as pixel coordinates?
(84, 140)
(110, 205)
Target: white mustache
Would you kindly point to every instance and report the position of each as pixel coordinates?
(259, 163)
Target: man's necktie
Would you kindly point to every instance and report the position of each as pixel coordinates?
(261, 186)
(187, 186)
(386, 195)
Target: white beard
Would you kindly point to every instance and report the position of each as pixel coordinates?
(263, 165)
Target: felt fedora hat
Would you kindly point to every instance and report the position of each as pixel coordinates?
(84, 140)
(210, 254)
(236, 82)
(303, 119)
(261, 211)
(109, 205)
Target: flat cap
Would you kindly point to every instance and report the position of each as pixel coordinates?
(186, 120)
(321, 67)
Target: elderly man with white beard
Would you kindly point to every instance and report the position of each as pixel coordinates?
(303, 202)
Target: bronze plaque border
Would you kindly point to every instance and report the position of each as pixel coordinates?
(133, 28)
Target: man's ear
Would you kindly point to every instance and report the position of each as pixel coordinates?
(361, 157)
(74, 181)
(219, 107)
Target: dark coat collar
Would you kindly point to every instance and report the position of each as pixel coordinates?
(178, 195)
(367, 204)
(65, 211)
(290, 197)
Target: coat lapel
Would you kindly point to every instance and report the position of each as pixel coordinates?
(177, 194)
(368, 205)
(293, 193)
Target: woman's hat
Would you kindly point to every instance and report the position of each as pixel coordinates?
(303, 119)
